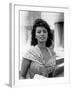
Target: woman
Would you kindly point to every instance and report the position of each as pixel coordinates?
(41, 58)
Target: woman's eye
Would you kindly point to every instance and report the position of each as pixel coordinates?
(39, 32)
(44, 31)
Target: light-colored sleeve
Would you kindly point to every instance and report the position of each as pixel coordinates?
(32, 54)
(29, 54)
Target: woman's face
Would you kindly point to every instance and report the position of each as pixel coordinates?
(41, 34)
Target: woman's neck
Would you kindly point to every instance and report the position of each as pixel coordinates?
(41, 45)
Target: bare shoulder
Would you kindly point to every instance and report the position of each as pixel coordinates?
(52, 51)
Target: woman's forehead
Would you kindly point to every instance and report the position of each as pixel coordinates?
(41, 28)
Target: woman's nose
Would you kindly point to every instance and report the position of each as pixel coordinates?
(42, 33)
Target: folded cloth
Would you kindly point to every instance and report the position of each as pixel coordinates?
(37, 76)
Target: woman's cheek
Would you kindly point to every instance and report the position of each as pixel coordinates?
(38, 37)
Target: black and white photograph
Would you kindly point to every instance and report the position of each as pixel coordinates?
(36, 44)
(41, 44)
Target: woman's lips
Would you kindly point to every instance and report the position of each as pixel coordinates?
(42, 38)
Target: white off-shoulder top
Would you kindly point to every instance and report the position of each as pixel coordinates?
(38, 64)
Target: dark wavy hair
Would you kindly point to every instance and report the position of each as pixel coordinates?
(41, 23)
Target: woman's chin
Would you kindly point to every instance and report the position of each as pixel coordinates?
(42, 41)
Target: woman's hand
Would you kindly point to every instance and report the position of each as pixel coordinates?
(43, 71)
(40, 69)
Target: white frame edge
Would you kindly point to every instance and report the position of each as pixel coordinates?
(11, 46)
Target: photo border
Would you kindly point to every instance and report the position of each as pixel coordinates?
(14, 46)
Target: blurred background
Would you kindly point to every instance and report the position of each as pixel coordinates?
(56, 22)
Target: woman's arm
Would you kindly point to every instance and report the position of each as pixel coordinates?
(24, 67)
